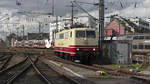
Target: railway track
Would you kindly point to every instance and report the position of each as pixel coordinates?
(8, 72)
(120, 72)
(113, 72)
(5, 63)
(140, 80)
(4, 60)
(42, 69)
(46, 74)
(54, 75)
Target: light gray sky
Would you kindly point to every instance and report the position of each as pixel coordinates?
(114, 6)
(60, 5)
(124, 7)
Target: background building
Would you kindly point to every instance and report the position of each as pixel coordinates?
(142, 24)
(123, 26)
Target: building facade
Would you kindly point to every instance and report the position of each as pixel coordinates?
(143, 24)
(120, 26)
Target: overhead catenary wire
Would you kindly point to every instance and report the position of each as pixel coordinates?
(123, 4)
(85, 11)
(120, 6)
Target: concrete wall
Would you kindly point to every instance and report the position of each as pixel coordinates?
(123, 50)
(119, 52)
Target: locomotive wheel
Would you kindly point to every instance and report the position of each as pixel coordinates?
(84, 60)
(62, 55)
(57, 54)
(66, 56)
(72, 58)
(69, 58)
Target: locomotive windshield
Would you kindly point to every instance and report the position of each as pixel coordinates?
(90, 34)
(87, 34)
(80, 34)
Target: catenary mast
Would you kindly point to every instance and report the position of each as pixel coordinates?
(101, 25)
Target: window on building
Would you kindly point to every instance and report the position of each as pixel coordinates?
(61, 36)
(141, 37)
(141, 46)
(80, 34)
(135, 47)
(135, 37)
(129, 36)
(90, 34)
(147, 37)
(147, 46)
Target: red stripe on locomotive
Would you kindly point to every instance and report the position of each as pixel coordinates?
(72, 50)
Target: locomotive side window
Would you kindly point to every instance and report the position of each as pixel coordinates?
(147, 46)
(57, 36)
(30, 43)
(141, 46)
(80, 34)
(35, 44)
(61, 36)
(70, 34)
(135, 47)
(135, 38)
(141, 37)
(90, 34)
(147, 37)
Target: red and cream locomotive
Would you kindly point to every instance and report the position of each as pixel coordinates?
(77, 44)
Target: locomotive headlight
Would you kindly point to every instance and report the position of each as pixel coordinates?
(94, 49)
(78, 49)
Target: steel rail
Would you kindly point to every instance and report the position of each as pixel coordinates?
(108, 70)
(61, 73)
(38, 71)
(14, 77)
(4, 58)
(5, 63)
(13, 66)
(127, 73)
(144, 81)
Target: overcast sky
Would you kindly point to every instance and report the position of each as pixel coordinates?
(123, 7)
(29, 5)
(60, 5)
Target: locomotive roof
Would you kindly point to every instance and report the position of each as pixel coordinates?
(65, 30)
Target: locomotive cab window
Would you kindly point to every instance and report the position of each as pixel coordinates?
(80, 34)
(90, 34)
(61, 36)
(57, 36)
(66, 35)
(87, 34)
